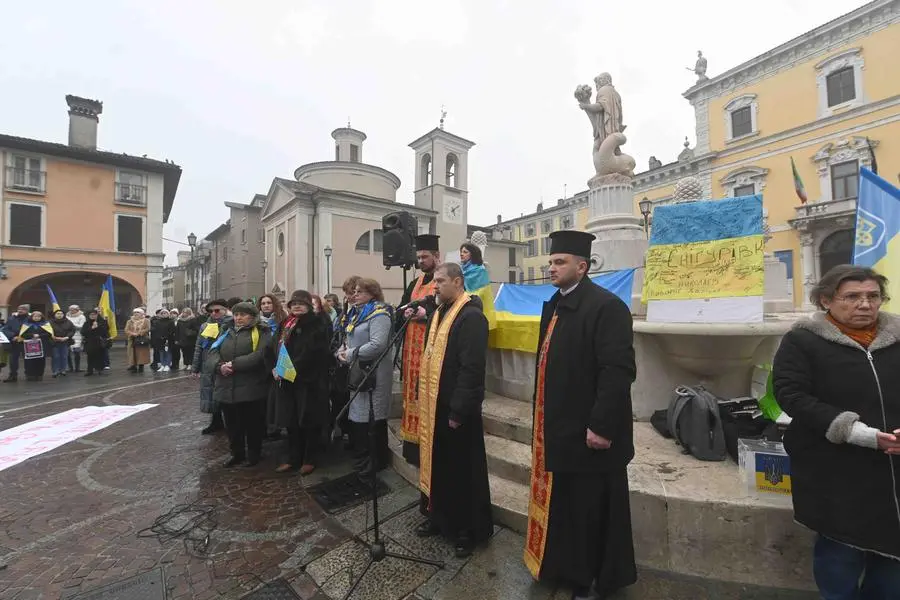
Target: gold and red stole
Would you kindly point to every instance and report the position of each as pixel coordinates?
(541, 480)
(429, 382)
(413, 344)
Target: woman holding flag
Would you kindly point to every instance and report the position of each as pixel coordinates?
(477, 280)
(35, 336)
(299, 363)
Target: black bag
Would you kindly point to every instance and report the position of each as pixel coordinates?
(357, 380)
(694, 420)
(743, 419)
(140, 341)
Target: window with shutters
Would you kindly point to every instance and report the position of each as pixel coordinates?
(841, 86)
(129, 233)
(25, 224)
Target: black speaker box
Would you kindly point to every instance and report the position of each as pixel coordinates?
(399, 239)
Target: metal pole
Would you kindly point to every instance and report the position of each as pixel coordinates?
(327, 275)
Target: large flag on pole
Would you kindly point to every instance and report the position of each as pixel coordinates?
(54, 303)
(878, 229)
(107, 305)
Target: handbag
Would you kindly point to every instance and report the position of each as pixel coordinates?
(141, 341)
(357, 380)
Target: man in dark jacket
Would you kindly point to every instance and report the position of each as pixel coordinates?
(453, 473)
(242, 382)
(11, 330)
(579, 522)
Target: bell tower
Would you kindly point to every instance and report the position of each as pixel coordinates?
(441, 183)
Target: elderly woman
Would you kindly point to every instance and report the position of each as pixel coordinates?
(137, 335)
(242, 382)
(836, 374)
(368, 330)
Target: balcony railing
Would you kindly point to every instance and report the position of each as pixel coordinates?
(26, 180)
(827, 209)
(129, 193)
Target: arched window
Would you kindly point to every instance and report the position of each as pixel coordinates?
(426, 170)
(363, 244)
(836, 249)
(452, 166)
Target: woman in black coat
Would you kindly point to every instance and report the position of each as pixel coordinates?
(302, 405)
(836, 375)
(94, 334)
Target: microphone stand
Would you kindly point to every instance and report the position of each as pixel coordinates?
(376, 548)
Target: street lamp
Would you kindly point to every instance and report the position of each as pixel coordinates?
(646, 206)
(192, 242)
(327, 252)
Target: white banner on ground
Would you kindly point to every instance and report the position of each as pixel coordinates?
(31, 439)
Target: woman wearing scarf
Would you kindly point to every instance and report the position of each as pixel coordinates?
(63, 332)
(36, 336)
(215, 325)
(302, 404)
(137, 334)
(836, 375)
(94, 333)
(77, 317)
(477, 280)
(273, 315)
(369, 326)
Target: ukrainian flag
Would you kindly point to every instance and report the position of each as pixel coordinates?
(519, 309)
(54, 304)
(107, 306)
(285, 366)
(877, 228)
(478, 283)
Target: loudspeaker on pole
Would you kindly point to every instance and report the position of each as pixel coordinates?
(399, 231)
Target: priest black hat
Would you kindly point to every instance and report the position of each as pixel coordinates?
(577, 243)
(428, 242)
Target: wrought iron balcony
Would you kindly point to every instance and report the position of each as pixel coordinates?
(26, 180)
(131, 194)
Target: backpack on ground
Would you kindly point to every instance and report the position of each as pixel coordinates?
(694, 421)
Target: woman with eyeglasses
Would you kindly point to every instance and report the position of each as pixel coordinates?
(837, 375)
(218, 320)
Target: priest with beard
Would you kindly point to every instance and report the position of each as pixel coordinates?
(421, 290)
(579, 521)
(453, 474)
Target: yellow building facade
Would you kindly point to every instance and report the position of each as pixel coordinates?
(829, 100)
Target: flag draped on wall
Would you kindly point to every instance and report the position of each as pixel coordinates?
(107, 305)
(798, 183)
(519, 309)
(54, 303)
(877, 227)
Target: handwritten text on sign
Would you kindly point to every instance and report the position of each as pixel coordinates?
(716, 269)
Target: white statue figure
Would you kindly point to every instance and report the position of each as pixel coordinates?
(699, 67)
(605, 115)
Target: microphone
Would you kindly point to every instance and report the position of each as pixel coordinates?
(416, 304)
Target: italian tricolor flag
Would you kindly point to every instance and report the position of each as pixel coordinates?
(798, 183)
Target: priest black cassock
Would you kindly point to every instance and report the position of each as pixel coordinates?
(579, 523)
(453, 473)
(419, 289)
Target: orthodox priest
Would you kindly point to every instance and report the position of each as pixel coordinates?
(422, 287)
(453, 472)
(579, 522)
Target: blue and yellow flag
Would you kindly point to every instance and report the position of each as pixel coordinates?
(107, 306)
(877, 228)
(284, 368)
(54, 304)
(478, 283)
(519, 309)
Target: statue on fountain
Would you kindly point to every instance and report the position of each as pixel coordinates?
(605, 115)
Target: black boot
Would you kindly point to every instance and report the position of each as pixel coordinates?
(215, 425)
(12, 378)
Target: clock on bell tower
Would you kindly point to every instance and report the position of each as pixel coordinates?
(442, 166)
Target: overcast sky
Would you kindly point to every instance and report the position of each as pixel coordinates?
(238, 92)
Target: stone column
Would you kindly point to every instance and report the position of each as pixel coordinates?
(621, 242)
(808, 264)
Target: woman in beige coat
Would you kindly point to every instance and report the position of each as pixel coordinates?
(137, 332)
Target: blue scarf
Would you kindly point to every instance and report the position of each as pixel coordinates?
(360, 315)
(476, 276)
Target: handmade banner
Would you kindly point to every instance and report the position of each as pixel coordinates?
(519, 309)
(705, 262)
(31, 439)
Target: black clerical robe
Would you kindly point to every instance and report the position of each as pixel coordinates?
(579, 529)
(453, 473)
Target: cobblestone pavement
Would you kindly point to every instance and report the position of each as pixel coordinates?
(71, 520)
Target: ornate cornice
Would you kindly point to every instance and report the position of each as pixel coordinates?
(834, 34)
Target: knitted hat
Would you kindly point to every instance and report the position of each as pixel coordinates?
(245, 308)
